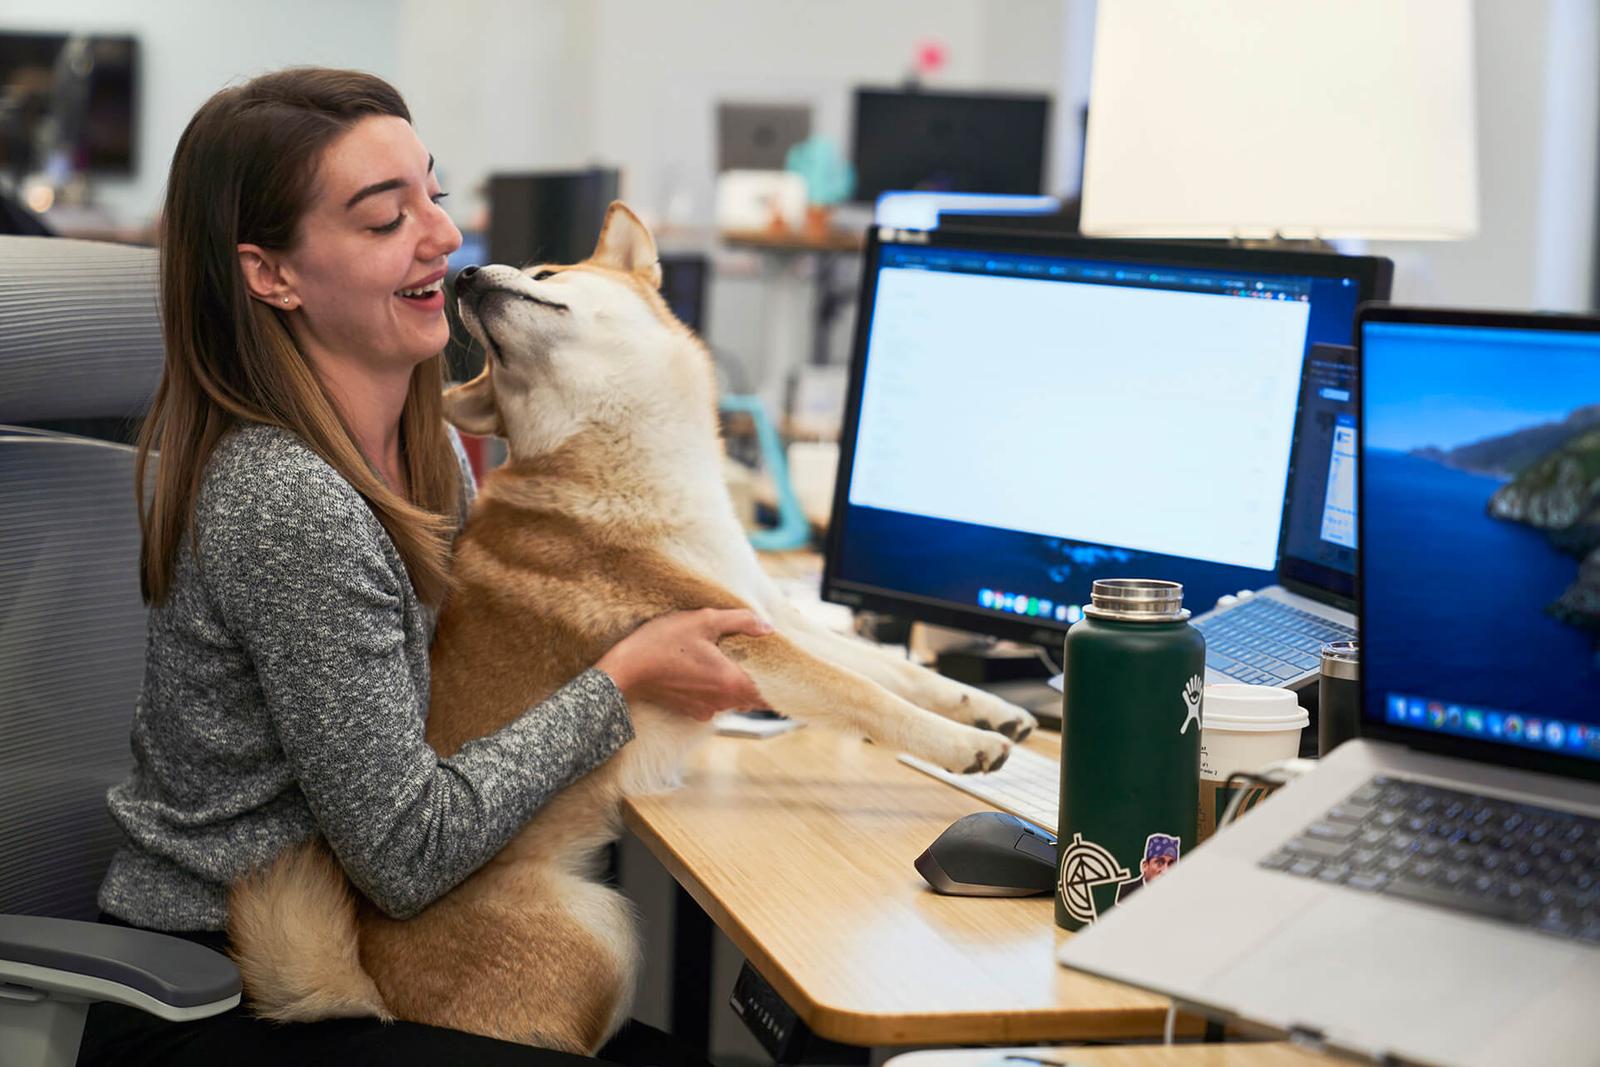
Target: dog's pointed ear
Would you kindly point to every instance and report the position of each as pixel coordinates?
(471, 409)
(625, 244)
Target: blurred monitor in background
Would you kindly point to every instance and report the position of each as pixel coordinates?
(69, 102)
(759, 136)
(549, 217)
(948, 142)
(685, 277)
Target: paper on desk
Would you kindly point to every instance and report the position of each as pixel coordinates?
(738, 724)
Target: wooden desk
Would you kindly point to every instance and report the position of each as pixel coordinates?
(800, 848)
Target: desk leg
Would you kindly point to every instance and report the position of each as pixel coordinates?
(691, 972)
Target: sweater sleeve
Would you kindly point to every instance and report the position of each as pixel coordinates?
(297, 567)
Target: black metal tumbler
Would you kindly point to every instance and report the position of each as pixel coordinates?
(1338, 696)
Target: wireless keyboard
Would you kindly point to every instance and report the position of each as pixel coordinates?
(1028, 785)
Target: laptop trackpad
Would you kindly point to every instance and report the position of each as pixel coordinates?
(1405, 978)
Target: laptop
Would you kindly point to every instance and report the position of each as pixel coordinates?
(1428, 893)
(1274, 636)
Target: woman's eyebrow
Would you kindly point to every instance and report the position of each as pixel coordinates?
(380, 187)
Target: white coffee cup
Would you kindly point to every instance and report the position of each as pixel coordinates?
(1244, 728)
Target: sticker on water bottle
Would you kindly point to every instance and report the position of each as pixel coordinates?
(1085, 867)
(1193, 691)
(1160, 852)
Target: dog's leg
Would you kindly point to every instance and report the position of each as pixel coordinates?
(800, 684)
(922, 687)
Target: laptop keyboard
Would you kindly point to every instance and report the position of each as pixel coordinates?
(1267, 642)
(1498, 859)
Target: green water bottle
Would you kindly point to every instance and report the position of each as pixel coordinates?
(1130, 745)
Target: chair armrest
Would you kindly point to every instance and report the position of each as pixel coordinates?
(166, 976)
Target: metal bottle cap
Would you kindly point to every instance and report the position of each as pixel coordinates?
(1341, 659)
(1136, 600)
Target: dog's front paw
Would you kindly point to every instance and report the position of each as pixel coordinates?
(974, 752)
(992, 713)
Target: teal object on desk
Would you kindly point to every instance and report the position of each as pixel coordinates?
(829, 176)
(793, 529)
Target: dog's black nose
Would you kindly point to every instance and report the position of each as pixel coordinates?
(464, 279)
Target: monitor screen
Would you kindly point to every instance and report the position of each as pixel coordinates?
(1028, 415)
(948, 142)
(1318, 549)
(1480, 539)
(84, 89)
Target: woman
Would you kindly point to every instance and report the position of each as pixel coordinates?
(296, 548)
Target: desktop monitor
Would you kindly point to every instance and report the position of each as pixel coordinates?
(81, 92)
(1029, 413)
(551, 217)
(1480, 535)
(685, 279)
(948, 142)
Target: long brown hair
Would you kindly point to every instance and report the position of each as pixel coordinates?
(243, 172)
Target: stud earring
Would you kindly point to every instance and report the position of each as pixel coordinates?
(285, 300)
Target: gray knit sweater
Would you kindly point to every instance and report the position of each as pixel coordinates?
(285, 689)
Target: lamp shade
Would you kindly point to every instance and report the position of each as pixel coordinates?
(1302, 119)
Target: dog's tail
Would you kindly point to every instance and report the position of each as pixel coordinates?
(294, 935)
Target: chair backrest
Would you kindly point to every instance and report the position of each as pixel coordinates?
(80, 331)
(72, 630)
(80, 341)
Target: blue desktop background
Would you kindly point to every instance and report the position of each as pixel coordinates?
(1456, 602)
(920, 559)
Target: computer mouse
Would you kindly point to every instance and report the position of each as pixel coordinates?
(990, 854)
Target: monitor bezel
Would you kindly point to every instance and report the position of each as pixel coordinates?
(1373, 275)
(1371, 724)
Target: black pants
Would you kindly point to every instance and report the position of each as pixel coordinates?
(118, 1036)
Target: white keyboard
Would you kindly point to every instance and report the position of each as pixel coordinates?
(1028, 785)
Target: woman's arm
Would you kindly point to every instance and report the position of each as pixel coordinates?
(304, 577)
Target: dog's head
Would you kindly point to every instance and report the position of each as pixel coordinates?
(570, 347)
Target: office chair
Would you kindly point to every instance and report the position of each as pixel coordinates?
(79, 338)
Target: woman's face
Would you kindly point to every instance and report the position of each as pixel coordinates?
(373, 233)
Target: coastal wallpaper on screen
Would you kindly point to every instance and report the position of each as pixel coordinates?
(1482, 476)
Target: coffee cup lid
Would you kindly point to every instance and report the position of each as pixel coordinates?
(1253, 708)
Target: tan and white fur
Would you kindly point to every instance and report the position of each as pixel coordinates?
(610, 511)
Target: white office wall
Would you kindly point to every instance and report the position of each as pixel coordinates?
(192, 48)
(1538, 91)
(497, 85)
(659, 68)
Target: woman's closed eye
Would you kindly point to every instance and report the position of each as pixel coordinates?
(390, 227)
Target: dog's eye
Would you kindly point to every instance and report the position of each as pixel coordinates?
(542, 275)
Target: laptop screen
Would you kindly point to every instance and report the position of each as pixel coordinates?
(1318, 550)
(1028, 414)
(1480, 531)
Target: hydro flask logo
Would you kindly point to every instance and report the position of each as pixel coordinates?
(1193, 691)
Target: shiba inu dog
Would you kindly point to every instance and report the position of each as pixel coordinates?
(611, 511)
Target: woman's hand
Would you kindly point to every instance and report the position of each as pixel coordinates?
(673, 661)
